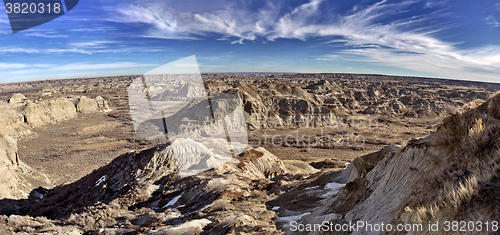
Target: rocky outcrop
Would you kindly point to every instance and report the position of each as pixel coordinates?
(287, 108)
(48, 91)
(12, 122)
(259, 163)
(9, 164)
(17, 98)
(449, 175)
(143, 191)
(49, 111)
(360, 167)
(102, 104)
(20, 113)
(17, 178)
(86, 105)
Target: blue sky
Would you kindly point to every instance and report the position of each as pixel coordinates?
(434, 38)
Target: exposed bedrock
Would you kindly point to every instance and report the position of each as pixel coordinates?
(17, 179)
(18, 118)
(143, 191)
(449, 175)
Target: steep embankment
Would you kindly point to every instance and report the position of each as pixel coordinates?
(17, 118)
(449, 175)
(143, 192)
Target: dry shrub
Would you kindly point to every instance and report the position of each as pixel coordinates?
(83, 220)
(473, 162)
(476, 129)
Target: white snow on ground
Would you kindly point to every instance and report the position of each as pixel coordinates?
(275, 208)
(334, 189)
(100, 180)
(293, 218)
(311, 187)
(173, 201)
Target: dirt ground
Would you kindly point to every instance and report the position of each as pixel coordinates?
(71, 149)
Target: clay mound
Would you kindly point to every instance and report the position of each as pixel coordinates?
(144, 192)
(49, 111)
(192, 157)
(131, 174)
(260, 163)
(17, 98)
(89, 105)
(48, 91)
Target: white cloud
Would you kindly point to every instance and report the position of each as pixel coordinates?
(12, 68)
(213, 66)
(403, 43)
(85, 66)
(492, 21)
(8, 66)
(88, 48)
(45, 34)
(92, 44)
(329, 57)
(184, 65)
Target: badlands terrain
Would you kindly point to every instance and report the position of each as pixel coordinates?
(85, 156)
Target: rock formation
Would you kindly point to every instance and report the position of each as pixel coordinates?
(18, 118)
(17, 177)
(143, 191)
(450, 175)
(191, 184)
(49, 111)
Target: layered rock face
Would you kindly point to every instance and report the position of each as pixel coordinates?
(12, 121)
(284, 101)
(143, 192)
(49, 112)
(17, 179)
(449, 175)
(9, 163)
(17, 118)
(21, 113)
(270, 109)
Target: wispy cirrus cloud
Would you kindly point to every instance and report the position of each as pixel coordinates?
(45, 34)
(86, 47)
(92, 44)
(491, 20)
(365, 33)
(29, 69)
(9, 66)
(86, 66)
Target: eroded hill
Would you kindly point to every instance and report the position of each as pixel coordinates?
(303, 130)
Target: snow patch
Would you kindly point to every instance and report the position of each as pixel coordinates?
(308, 188)
(293, 217)
(334, 189)
(100, 180)
(173, 201)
